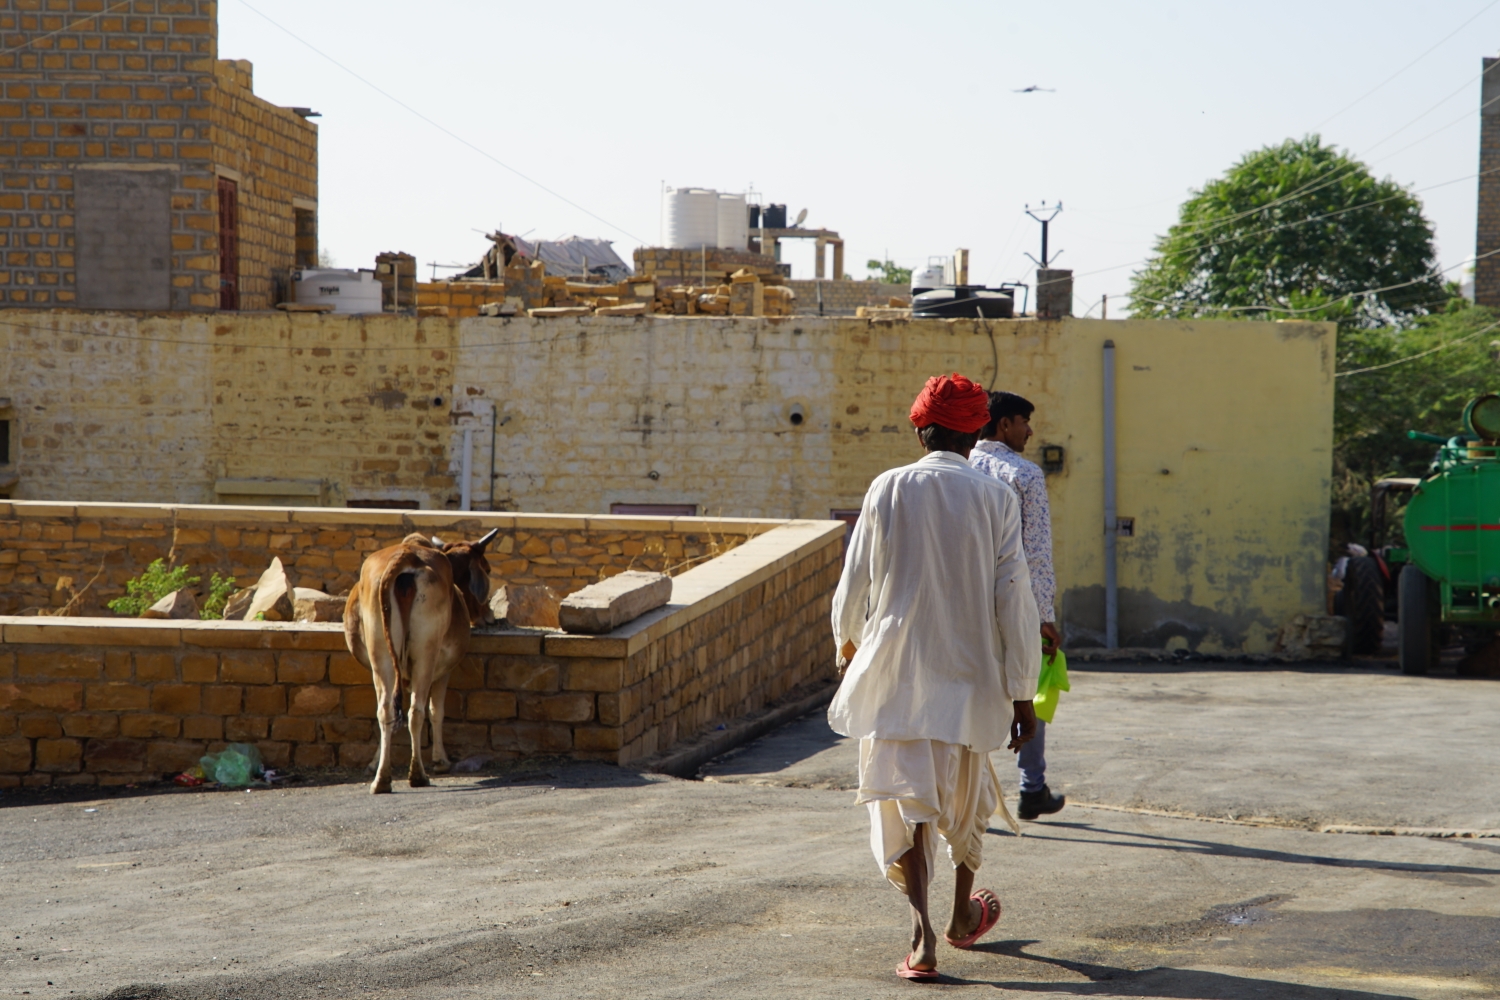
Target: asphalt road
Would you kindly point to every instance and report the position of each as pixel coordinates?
(565, 880)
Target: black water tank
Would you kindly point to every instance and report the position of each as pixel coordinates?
(774, 217)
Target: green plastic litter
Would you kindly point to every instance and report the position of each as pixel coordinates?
(1050, 685)
(236, 766)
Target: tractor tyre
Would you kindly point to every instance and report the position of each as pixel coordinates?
(1417, 621)
(1364, 604)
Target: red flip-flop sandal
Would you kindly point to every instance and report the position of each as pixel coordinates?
(905, 971)
(989, 919)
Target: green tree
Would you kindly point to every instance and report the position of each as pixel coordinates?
(1440, 363)
(888, 272)
(1301, 228)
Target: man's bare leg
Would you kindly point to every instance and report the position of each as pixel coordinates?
(918, 879)
(966, 913)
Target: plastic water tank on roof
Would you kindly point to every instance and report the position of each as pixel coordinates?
(692, 218)
(734, 222)
(346, 291)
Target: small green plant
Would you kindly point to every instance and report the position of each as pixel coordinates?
(219, 589)
(151, 586)
(888, 272)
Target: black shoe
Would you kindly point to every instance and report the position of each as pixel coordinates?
(1042, 803)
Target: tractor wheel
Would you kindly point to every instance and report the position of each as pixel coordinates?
(1417, 623)
(1364, 604)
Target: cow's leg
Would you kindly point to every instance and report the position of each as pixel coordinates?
(440, 762)
(385, 716)
(421, 687)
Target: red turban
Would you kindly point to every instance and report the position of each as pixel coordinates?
(955, 403)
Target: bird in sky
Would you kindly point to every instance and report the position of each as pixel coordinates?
(1034, 89)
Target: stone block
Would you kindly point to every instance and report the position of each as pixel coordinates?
(179, 604)
(467, 675)
(91, 724)
(116, 665)
(118, 696)
(489, 706)
(347, 730)
(222, 699)
(41, 697)
(176, 699)
(596, 738)
(203, 727)
(245, 728)
(247, 668)
(315, 700)
(527, 606)
(532, 737)
(149, 725)
(155, 667)
(117, 756)
(199, 668)
(345, 669)
(356, 755)
(273, 601)
(594, 675)
(39, 727)
(556, 707)
(516, 674)
(15, 755)
(605, 606)
(275, 753)
(302, 668)
(294, 730)
(359, 702)
(60, 664)
(267, 699)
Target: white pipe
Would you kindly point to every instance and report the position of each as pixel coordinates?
(1111, 525)
(466, 491)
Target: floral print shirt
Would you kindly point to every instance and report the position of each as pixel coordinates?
(997, 459)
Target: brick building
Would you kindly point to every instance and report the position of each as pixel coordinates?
(1487, 269)
(137, 169)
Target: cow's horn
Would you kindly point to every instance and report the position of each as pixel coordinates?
(437, 541)
(486, 539)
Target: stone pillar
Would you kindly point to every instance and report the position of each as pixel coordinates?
(1054, 293)
(818, 245)
(838, 259)
(1487, 269)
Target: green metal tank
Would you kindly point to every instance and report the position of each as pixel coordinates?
(1452, 528)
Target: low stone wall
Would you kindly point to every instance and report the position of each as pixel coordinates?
(113, 701)
(843, 298)
(43, 545)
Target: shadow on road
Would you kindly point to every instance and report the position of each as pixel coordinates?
(1174, 984)
(1214, 848)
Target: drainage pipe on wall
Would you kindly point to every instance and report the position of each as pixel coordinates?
(466, 491)
(1111, 526)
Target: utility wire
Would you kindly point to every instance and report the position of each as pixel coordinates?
(1441, 347)
(444, 129)
(67, 28)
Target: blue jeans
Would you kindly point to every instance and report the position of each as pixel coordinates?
(1032, 760)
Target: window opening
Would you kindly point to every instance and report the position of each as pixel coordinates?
(229, 244)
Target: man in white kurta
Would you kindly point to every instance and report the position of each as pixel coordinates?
(936, 606)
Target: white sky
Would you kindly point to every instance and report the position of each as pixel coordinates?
(892, 122)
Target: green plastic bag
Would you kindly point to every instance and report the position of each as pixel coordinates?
(236, 766)
(1050, 685)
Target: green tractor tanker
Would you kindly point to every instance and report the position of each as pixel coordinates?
(1448, 574)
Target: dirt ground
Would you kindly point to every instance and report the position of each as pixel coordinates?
(556, 879)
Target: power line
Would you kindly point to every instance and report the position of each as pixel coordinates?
(67, 28)
(444, 129)
(1441, 347)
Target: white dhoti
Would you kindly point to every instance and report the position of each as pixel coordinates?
(906, 782)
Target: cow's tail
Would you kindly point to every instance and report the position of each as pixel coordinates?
(399, 578)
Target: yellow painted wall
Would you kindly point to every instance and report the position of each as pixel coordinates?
(573, 414)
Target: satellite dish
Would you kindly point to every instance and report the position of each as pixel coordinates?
(801, 217)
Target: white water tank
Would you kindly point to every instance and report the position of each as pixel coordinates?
(929, 277)
(347, 291)
(734, 223)
(692, 218)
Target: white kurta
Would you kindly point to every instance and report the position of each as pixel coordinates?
(936, 595)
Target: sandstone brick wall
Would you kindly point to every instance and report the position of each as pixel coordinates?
(273, 154)
(139, 88)
(689, 266)
(50, 551)
(460, 298)
(98, 702)
(843, 298)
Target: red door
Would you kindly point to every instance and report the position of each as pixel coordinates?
(229, 245)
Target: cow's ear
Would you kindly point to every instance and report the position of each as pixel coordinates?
(479, 582)
(489, 537)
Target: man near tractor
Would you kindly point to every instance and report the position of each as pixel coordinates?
(998, 454)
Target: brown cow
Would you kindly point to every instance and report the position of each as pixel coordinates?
(408, 620)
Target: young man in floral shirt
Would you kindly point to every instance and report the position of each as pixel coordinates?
(998, 454)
